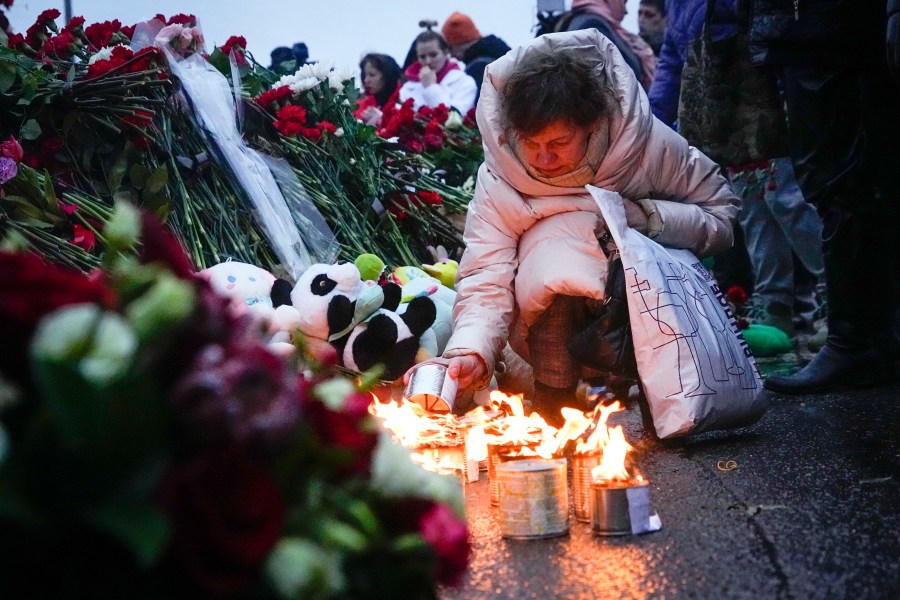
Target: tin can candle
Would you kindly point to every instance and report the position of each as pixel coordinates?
(499, 453)
(581, 484)
(619, 508)
(430, 387)
(533, 498)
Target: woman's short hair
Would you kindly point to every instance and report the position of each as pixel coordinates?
(549, 86)
(390, 73)
(432, 36)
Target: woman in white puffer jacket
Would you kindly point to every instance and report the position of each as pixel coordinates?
(559, 113)
(436, 78)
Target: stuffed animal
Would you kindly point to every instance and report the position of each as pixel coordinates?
(332, 303)
(247, 286)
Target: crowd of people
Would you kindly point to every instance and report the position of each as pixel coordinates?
(589, 102)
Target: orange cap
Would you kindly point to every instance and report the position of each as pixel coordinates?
(459, 29)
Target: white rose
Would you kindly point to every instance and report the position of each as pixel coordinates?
(396, 475)
(102, 343)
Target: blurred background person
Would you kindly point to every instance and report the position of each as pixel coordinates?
(779, 237)
(380, 76)
(606, 17)
(468, 45)
(834, 58)
(436, 77)
(652, 23)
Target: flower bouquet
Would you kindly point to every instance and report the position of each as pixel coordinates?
(152, 447)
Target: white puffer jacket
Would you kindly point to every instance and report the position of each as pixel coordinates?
(528, 241)
(456, 90)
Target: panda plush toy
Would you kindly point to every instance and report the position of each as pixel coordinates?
(360, 320)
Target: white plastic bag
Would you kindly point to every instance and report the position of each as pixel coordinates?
(696, 370)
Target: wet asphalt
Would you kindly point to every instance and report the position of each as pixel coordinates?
(812, 510)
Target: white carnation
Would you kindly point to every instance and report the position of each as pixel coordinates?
(103, 54)
(339, 132)
(321, 70)
(307, 83)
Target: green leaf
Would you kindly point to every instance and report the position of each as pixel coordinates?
(70, 76)
(31, 130)
(138, 174)
(139, 525)
(7, 76)
(341, 535)
(158, 179)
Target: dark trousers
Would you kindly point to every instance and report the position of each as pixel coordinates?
(844, 125)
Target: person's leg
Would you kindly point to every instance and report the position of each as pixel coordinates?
(556, 373)
(833, 129)
(769, 251)
(802, 230)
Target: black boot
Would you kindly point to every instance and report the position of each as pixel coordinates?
(832, 369)
(858, 308)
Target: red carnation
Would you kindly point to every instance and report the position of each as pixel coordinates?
(227, 514)
(160, 245)
(328, 126)
(433, 142)
(61, 46)
(74, 24)
(736, 295)
(238, 43)
(268, 98)
(99, 34)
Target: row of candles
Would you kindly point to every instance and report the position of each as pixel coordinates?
(523, 456)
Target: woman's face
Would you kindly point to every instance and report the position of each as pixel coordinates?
(555, 150)
(430, 55)
(372, 79)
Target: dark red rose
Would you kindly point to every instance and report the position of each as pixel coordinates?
(238, 393)
(158, 244)
(30, 288)
(440, 528)
(226, 513)
(351, 428)
(449, 537)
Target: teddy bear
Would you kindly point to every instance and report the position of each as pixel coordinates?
(332, 303)
(247, 286)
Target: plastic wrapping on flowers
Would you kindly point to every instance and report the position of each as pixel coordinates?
(152, 446)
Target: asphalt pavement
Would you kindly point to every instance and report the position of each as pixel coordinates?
(809, 509)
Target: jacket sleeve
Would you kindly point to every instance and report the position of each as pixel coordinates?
(692, 205)
(484, 285)
(666, 87)
(458, 92)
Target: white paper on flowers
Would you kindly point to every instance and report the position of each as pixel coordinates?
(296, 230)
(696, 370)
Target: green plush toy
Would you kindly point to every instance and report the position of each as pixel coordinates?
(765, 341)
(370, 267)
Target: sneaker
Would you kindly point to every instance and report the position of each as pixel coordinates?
(774, 314)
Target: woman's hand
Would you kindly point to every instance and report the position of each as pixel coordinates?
(466, 370)
(427, 76)
(371, 116)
